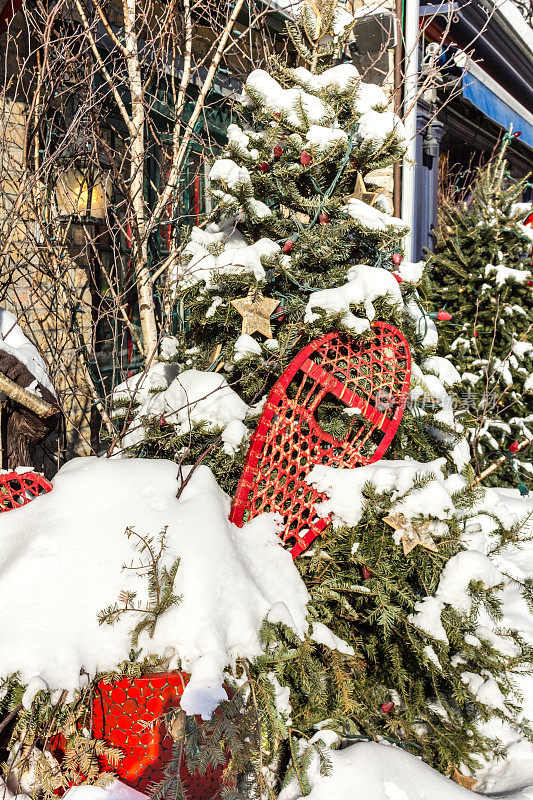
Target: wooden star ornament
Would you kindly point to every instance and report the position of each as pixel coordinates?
(255, 311)
(361, 193)
(414, 534)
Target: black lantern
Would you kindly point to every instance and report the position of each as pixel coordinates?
(83, 184)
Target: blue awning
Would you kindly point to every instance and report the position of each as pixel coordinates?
(495, 108)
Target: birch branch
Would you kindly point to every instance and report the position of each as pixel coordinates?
(26, 398)
(103, 69)
(200, 102)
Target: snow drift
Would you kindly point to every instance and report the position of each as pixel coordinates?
(61, 563)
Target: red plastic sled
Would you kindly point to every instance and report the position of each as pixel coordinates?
(371, 376)
(18, 489)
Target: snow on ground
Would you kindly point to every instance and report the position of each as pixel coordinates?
(372, 771)
(61, 564)
(71, 544)
(13, 341)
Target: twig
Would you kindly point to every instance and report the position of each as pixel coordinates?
(500, 461)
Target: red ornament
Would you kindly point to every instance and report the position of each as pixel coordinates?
(305, 158)
(278, 151)
(323, 218)
(18, 489)
(288, 246)
(514, 447)
(264, 166)
(398, 277)
(397, 258)
(372, 376)
(128, 713)
(279, 313)
(387, 707)
(529, 283)
(444, 316)
(366, 572)
(529, 219)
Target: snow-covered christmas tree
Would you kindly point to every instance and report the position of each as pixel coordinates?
(481, 273)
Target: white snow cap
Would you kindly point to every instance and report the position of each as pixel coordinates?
(443, 369)
(341, 78)
(364, 285)
(278, 100)
(504, 274)
(246, 345)
(370, 216)
(369, 95)
(192, 397)
(13, 341)
(237, 256)
(238, 137)
(452, 590)
(426, 328)
(377, 125)
(225, 170)
(322, 138)
(62, 561)
(344, 489)
(411, 271)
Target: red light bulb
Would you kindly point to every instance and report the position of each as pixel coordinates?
(444, 316)
(305, 158)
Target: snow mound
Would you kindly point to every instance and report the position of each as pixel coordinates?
(379, 772)
(14, 342)
(113, 791)
(62, 561)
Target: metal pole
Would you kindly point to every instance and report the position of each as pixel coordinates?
(409, 106)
